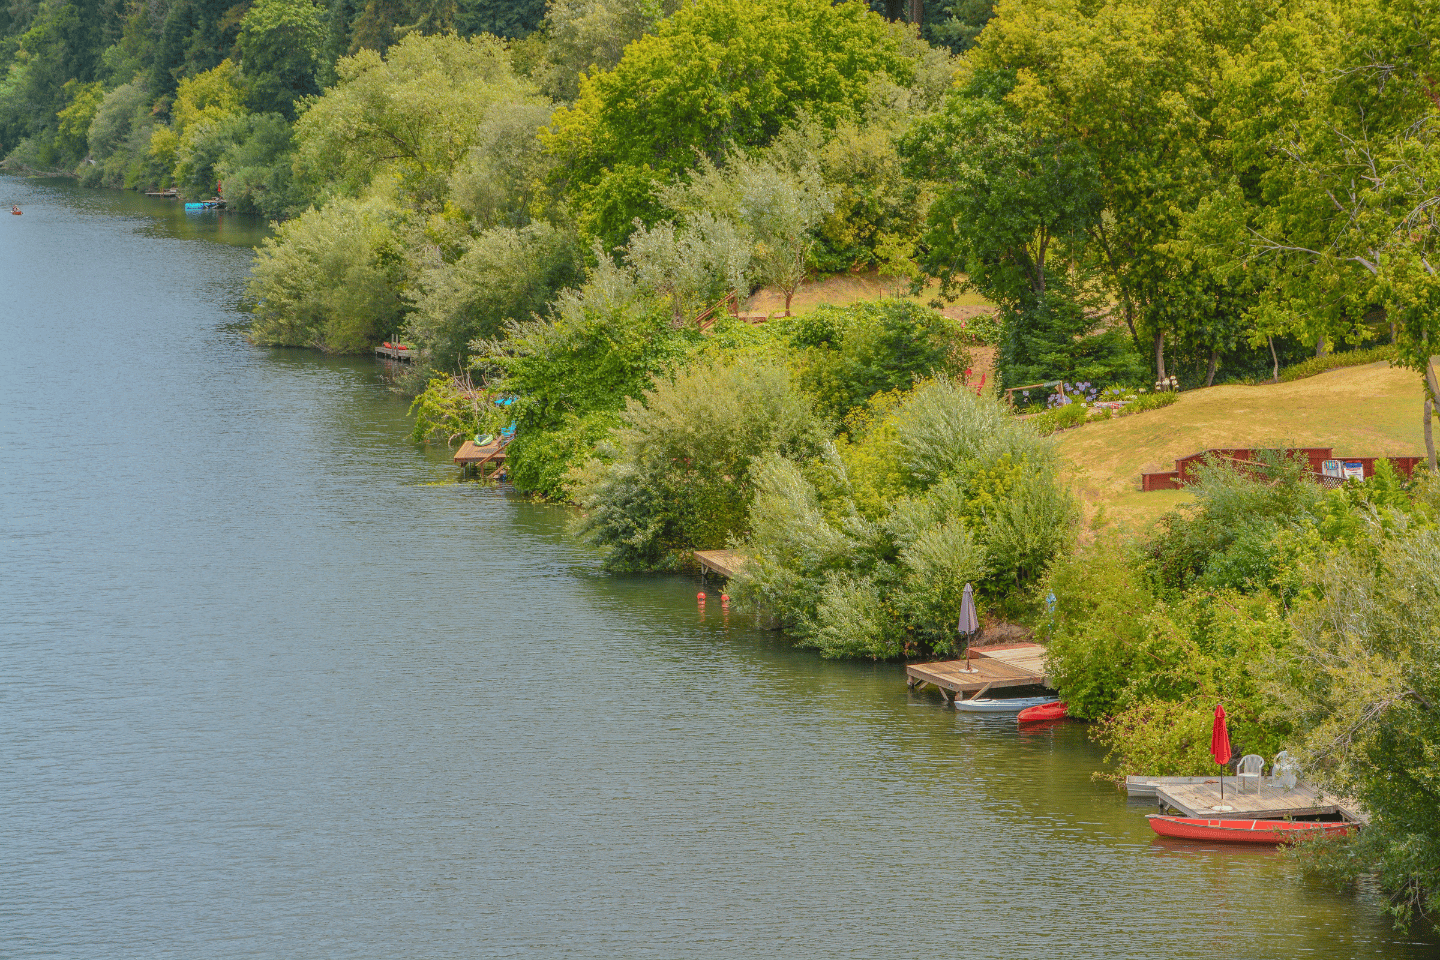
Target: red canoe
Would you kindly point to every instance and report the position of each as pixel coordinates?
(1045, 711)
(1244, 831)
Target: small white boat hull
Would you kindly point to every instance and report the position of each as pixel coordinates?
(1015, 705)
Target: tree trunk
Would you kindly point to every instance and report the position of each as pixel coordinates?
(1210, 372)
(789, 293)
(1275, 375)
(915, 11)
(1429, 436)
(1159, 355)
(1320, 347)
(1130, 322)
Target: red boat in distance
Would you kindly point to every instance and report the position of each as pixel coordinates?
(1045, 711)
(1272, 832)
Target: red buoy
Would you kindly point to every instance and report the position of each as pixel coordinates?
(700, 597)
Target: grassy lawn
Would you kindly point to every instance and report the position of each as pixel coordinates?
(846, 288)
(1372, 410)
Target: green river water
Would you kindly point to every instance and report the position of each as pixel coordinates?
(275, 685)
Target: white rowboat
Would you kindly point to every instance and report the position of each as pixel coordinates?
(1015, 705)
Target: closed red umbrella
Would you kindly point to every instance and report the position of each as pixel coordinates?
(1220, 745)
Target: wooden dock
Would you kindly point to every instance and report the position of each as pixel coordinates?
(991, 668)
(403, 354)
(471, 457)
(1200, 797)
(721, 563)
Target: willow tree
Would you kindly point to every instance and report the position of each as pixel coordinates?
(408, 120)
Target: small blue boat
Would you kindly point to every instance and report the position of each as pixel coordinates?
(204, 205)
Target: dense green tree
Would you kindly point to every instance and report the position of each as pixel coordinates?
(718, 74)
(590, 36)
(381, 24)
(505, 275)
(957, 24)
(1365, 690)
(60, 44)
(197, 36)
(501, 179)
(72, 138)
(509, 19)
(406, 120)
(1136, 83)
(115, 117)
(280, 43)
(682, 476)
(257, 165)
(1014, 209)
(1334, 208)
(331, 278)
(846, 355)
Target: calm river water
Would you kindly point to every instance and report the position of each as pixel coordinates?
(274, 685)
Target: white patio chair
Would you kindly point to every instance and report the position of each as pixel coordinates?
(1252, 765)
(1285, 770)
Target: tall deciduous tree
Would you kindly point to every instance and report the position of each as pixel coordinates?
(280, 43)
(1333, 122)
(1014, 210)
(410, 117)
(1135, 81)
(716, 75)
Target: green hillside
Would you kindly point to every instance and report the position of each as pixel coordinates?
(1374, 410)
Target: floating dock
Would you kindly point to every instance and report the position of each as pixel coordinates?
(473, 457)
(395, 353)
(1003, 665)
(1200, 797)
(721, 563)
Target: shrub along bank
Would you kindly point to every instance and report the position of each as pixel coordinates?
(1309, 614)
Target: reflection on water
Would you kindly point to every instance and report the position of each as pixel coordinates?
(275, 686)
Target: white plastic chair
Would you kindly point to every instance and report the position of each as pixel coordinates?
(1285, 770)
(1252, 765)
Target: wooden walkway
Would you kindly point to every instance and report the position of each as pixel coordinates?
(721, 563)
(470, 457)
(1200, 797)
(1008, 665)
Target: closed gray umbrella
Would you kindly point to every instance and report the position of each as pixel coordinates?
(969, 623)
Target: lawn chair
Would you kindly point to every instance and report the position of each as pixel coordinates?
(1285, 770)
(1252, 765)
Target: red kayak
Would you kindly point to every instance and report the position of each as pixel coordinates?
(1045, 711)
(1245, 831)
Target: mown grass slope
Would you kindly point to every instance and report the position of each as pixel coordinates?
(1373, 410)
